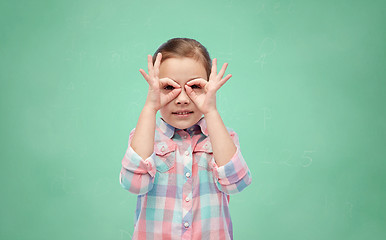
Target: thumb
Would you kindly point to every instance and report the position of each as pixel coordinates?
(166, 98)
(192, 95)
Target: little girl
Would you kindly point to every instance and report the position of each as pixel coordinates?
(184, 165)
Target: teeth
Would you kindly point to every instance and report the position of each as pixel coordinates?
(182, 113)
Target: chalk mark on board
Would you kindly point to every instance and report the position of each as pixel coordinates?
(267, 47)
(115, 58)
(307, 159)
(267, 116)
(333, 204)
(276, 7)
(63, 182)
(125, 233)
(288, 157)
(290, 6)
(149, 23)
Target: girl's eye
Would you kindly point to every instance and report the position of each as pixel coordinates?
(168, 87)
(196, 86)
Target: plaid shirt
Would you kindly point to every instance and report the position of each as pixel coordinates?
(182, 193)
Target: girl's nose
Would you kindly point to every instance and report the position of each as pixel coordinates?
(182, 98)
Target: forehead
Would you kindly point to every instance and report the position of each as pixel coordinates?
(182, 70)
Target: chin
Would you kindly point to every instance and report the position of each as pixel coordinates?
(183, 124)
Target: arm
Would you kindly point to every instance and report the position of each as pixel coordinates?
(143, 140)
(222, 144)
(204, 96)
(230, 170)
(138, 166)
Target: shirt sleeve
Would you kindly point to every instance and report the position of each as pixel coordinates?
(137, 174)
(234, 176)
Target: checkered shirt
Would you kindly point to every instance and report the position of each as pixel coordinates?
(182, 193)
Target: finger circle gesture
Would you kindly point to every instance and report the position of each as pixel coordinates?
(203, 93)
(156, 99)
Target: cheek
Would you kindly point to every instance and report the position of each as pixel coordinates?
(165, 110)
(162, 111)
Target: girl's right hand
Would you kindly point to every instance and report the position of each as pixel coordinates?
(159, 93)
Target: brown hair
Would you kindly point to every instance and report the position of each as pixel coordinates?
(185, 47)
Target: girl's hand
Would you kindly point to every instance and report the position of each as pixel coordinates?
(161, 91)
(203, 93)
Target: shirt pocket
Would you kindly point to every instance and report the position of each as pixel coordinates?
(203, 154)
(165, 156)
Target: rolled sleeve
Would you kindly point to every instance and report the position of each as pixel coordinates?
(234, 176)
(134, 163)
(137, 174)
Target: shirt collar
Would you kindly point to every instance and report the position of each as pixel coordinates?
(202, 124)
(168, 130)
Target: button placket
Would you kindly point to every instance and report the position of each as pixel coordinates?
(186, 158)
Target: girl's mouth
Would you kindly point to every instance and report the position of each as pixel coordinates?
(182, 113)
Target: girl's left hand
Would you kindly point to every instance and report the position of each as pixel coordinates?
(203, 92)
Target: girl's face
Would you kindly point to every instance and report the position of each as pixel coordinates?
(181, 112)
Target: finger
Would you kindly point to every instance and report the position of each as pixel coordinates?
(144, 74)
(222, 71)
(224, 80)
(164, 81)
(174, 93)
(199, 81)
(150, 65)
(170, 96)
(192, 95)
(214, 67)
(157, 64)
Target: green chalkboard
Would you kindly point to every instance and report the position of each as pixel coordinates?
(307, 99)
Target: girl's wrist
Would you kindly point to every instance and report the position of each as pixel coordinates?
(211, 113)
(150, 108)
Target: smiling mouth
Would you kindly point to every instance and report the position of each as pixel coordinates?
(182, 113)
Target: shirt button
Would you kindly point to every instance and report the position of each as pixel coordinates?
(187, 174)
(187, 199)
(186, 153)
(186, 224)
(185, 136)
